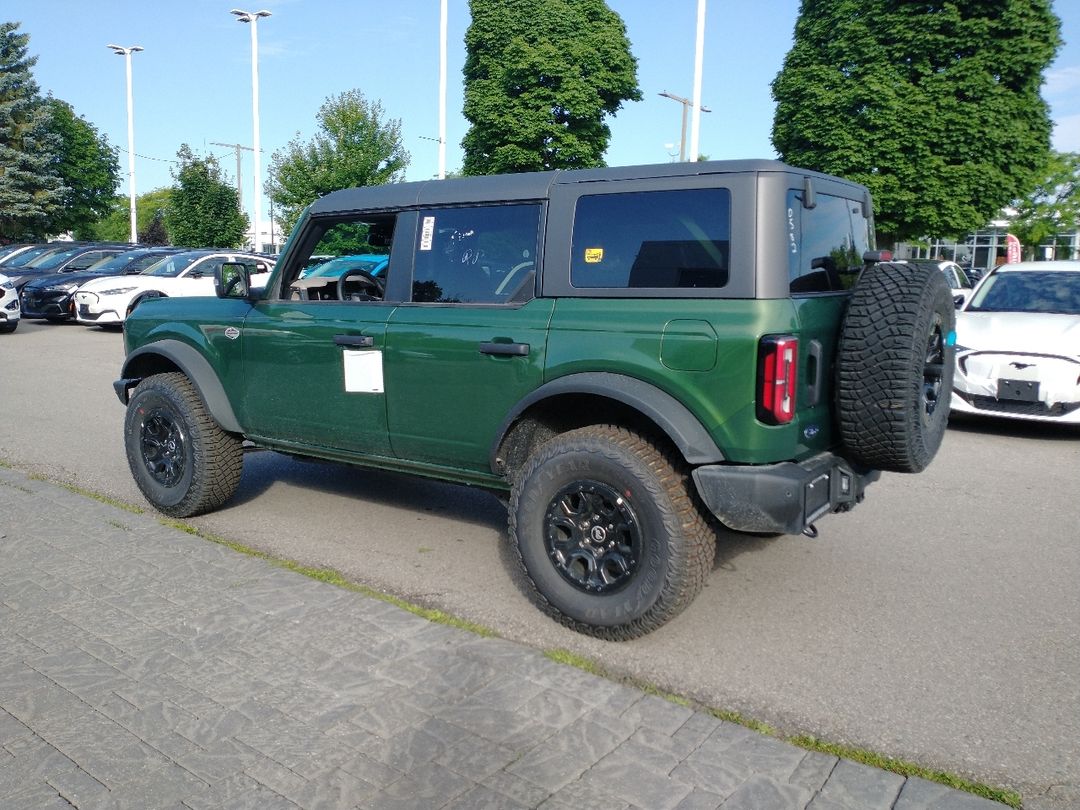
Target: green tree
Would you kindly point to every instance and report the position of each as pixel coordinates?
(156, 233)
(1053, 206)
(31, 190)
(355, 146)
(88, 168)
(541, 76)
(934, 105)
(205, 209)
(116, 226)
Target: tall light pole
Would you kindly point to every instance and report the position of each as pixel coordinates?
(699, 53)
(253, 18)
(442, 90)
(126, 53)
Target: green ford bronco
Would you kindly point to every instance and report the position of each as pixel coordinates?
(632, 355)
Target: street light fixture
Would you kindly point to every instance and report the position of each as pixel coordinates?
(126, 53)
(253, 18)
(686, 104)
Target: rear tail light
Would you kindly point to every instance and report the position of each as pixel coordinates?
(778, 357)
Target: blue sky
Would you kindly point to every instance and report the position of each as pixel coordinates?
(192, 83)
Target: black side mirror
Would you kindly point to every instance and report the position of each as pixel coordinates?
(232, 280)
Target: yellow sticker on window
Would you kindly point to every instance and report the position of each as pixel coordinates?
(594, 255)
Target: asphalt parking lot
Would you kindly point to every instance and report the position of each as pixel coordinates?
(938, 622)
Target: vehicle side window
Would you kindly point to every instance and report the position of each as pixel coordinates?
(825, 243)
(206, 268)
(652, 239)
(477, 255)
(347, 262)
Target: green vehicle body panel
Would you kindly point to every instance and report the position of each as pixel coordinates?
(714, 343)
(445, 397)
(293, 387)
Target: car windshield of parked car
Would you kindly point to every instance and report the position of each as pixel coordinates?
(172, 266)
(48, 262)
(1029, 291)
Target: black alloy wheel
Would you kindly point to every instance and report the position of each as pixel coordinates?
(164, 447)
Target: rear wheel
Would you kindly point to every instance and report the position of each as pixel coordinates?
(608, 532)
(181, 459)
(895, 367)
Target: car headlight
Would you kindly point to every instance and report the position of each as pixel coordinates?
(118, 291)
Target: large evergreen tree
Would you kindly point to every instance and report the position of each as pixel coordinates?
(355, 146)
(935, 105)
(541, 76)
(31, 190)
(204, 209)
(87, 166)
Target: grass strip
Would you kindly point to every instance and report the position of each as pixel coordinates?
(805, 741)
(336, 578)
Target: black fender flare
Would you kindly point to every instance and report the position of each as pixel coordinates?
(675, 419)
(195, 367)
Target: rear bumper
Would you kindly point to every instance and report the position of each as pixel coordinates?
(782, 498)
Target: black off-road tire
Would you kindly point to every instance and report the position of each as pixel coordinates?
(181, 459)
(609, 486)
(895, 367)
(9, 327)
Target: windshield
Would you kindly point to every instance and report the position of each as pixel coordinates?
(112, 265)
(1029, 291)
(172, 266)
(27, 256)
(55, 259)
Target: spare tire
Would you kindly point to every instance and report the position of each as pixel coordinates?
(895, 367)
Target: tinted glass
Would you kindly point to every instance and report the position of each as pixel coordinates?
(825, 243)
(477, 255)
(652, 239)
(173, 265)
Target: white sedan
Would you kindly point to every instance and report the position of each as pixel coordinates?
(108, 300)
(1018, 344)
(9, 305)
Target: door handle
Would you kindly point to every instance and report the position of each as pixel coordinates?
(511, 349)
(361, 341)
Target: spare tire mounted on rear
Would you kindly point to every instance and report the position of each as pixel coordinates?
(895, 367)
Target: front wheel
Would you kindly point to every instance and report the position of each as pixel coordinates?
(608, 532)
(181, 459)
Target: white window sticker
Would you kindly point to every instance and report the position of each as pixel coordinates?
(363, 371)
(427, 233)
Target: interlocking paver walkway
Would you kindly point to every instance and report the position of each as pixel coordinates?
(143, 667)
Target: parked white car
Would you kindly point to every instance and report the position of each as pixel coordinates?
(1018, 344)
(107, 301)
(954, 274)
(10, 311)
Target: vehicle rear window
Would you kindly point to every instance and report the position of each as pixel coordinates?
(825, 243)
(652, 239)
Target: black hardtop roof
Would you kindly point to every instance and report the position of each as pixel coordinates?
(530, 185)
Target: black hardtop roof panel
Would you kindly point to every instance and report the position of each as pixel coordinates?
(529, 185)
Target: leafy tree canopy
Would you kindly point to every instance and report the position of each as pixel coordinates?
(540, 78)
(116, 225)
(1054, 205)
(204, 209)
(88, 168)
(935, 105)
(31, 190)
(355, 146)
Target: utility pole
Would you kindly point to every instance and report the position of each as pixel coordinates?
(686, 104)
(237, 147)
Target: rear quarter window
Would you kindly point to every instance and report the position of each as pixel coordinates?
(652, 240)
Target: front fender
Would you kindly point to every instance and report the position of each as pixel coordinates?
(147, 360)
